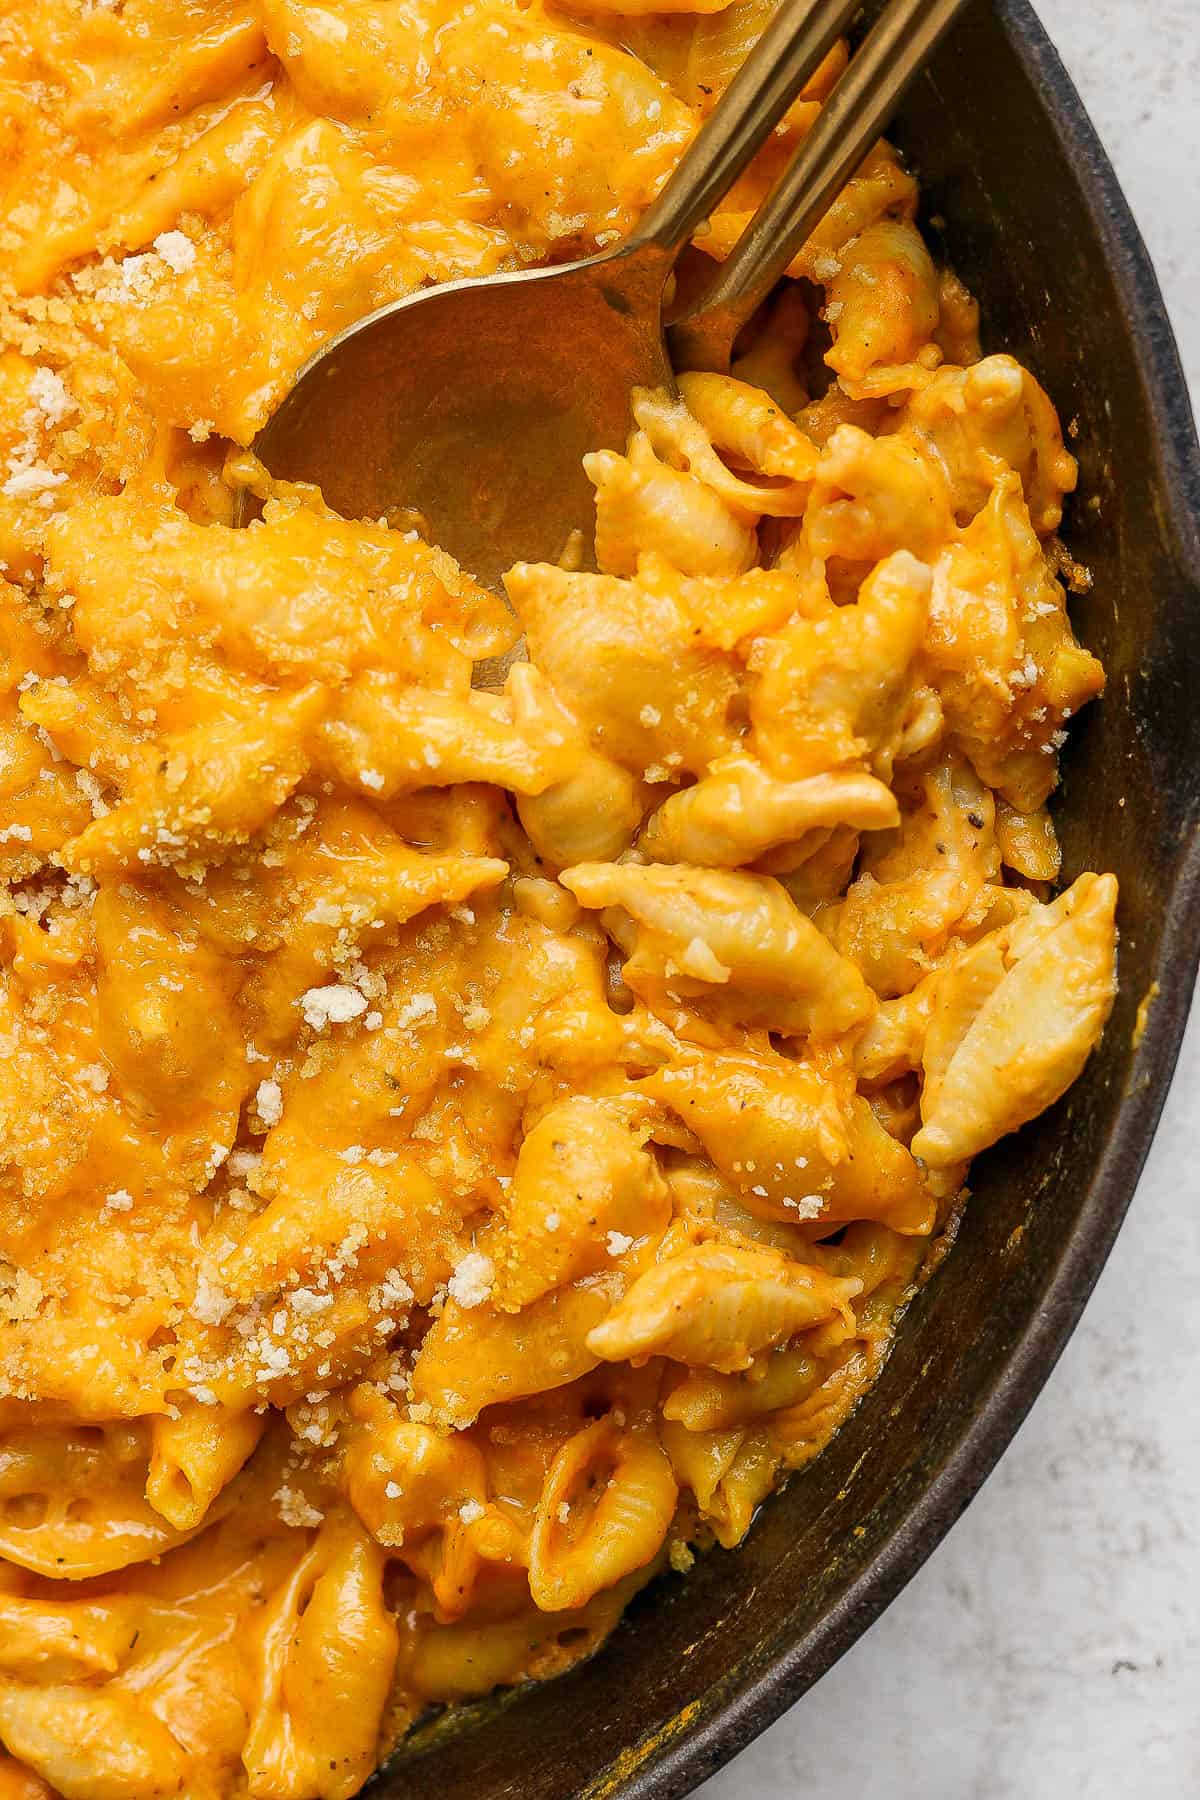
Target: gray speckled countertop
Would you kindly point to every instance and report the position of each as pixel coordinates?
(1050, 1648)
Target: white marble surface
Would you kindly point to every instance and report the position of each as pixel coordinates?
(1050, 1648)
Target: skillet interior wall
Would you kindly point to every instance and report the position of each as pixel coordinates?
(642, 1717)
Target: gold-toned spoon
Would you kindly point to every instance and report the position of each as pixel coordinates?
(472, 404)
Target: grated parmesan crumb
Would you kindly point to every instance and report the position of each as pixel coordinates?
(306, 1302)
(323, 912)
(395, 1291)
(176, 250)
(211, 1304)
(471, 1282)
(268, 1099)
(52, 397)
(333, 1005)
(419, 1006)
(294, 1509)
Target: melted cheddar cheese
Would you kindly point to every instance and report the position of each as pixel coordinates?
(459, 1149)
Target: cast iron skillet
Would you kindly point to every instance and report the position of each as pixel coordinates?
(1037, 226)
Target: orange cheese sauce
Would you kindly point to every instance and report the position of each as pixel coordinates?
(459, 1150)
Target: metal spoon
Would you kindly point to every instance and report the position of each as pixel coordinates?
(471, 405)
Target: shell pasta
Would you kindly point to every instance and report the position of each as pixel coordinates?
(462, 1148)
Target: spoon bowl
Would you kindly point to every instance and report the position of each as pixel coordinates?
(466, 410)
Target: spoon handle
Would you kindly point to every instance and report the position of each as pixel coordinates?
(850, 121)
(801, 34)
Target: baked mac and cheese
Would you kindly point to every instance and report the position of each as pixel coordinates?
(462, 1148)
